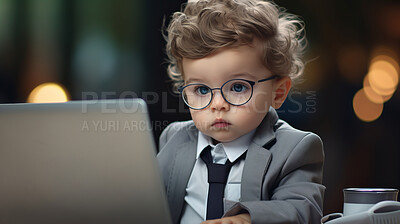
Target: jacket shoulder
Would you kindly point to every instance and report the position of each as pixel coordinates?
(176, 129)
(294, 143)
(179, 126)
(285, 130)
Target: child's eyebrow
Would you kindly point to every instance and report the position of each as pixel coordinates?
(232, 76)
(192, 80)
(247, 75)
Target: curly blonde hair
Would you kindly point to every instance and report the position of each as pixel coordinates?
(205, 26)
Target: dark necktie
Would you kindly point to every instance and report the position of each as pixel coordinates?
(217, 177)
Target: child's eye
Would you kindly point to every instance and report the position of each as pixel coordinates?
(202, 90)
(238, 87)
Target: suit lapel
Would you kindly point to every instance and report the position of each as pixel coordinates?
(260, 157)
(183, 165)
(253, 172)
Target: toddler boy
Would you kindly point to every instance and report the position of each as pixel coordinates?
(233, 62)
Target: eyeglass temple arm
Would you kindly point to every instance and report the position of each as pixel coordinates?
(272, 77)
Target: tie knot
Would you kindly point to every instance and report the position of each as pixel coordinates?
(218, 154)
(214, 156)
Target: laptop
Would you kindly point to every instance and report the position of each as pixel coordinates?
(79, 162)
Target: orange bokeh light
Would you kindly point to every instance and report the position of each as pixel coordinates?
(379, 85)
(365, 109)
(48, 93)
(385, 58)
(381, 82)
(387, 65)
(372, 95)
(383, 77)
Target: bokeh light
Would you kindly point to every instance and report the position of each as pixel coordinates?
(381, 82)
(379, 86)
(372, 95)
(386, 59)
(48, 93)
(382, 78)
(365, 109)
(383, 74)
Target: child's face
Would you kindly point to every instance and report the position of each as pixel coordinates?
(220, 120)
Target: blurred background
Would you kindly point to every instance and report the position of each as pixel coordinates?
(55, 50)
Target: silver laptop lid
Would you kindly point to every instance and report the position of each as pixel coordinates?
(79, 162)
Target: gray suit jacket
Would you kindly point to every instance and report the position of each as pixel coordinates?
(282, 175)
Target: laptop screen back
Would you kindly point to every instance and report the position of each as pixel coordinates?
(79, 162)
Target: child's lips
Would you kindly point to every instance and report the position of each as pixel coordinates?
(220, 123)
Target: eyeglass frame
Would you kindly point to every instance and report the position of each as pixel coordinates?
(252, 83)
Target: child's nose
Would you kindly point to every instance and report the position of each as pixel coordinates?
(219, 103)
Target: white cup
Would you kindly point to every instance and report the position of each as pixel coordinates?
(358, 200)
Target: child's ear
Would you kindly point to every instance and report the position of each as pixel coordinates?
(280, 89)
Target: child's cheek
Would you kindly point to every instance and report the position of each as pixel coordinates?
(199, 119)
(260, 102)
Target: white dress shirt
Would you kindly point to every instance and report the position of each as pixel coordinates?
(195, 207)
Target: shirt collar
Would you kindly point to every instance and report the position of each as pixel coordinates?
(233, 149)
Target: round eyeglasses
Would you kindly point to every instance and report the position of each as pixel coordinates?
(235, 91)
